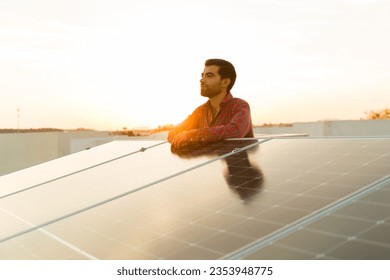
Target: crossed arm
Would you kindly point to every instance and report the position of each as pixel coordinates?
(237, 124)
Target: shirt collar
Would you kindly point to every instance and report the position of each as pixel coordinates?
(227, 98)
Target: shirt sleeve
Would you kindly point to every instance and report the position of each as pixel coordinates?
(190, 123)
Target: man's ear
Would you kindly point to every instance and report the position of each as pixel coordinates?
(226, 82)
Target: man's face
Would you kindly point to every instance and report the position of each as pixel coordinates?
(210, 83)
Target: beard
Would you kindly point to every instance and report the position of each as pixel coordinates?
(209, 92)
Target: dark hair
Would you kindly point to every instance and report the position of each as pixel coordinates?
(226, 70)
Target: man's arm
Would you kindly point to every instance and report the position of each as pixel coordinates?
(188, 124)
(240, 125)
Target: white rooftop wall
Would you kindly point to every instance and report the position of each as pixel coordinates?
(332, 128)
(22, 150)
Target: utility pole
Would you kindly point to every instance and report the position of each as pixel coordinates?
(18, 113)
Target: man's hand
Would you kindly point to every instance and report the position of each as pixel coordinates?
(172, 133)
(183, 139)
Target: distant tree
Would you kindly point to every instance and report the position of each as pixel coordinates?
(379, 115)
(160, 128)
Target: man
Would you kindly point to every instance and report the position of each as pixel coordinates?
(221, 117)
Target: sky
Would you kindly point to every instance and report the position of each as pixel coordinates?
(111, 64)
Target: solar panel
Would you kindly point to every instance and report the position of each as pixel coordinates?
(69, 165)
(82, 190)
(214, 202)
(357, 227)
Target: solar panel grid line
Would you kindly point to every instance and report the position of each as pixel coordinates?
(124, 246)
(362, 218)
(316, 152)
(316, 254)
(324, 172)
(165, 253)
(302, 193)
(295, 250)
(142, 149)
(222, 227)
(306, 220)
(119, 242)
(194, 243)
(375, 203)
(127, 193)
(347, 239)
(360, 236)
(50, 235)
(333, 175)
(168, 236)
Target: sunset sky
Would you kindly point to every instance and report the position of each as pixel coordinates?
(109, 64)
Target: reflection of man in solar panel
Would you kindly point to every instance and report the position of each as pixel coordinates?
(243, 178)
(221, 117)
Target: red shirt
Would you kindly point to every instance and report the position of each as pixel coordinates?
(232, 121)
